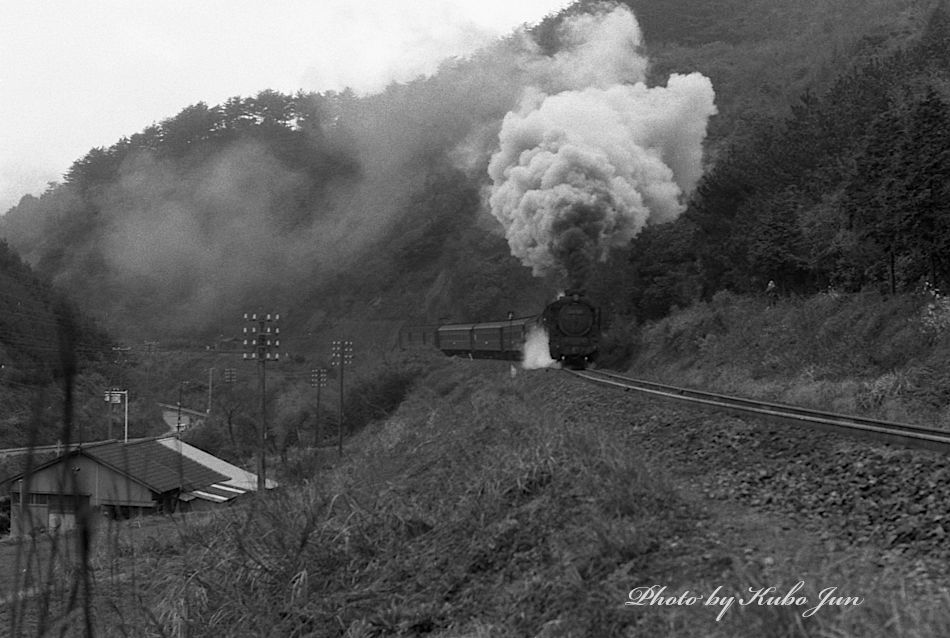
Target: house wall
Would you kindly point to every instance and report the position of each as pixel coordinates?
(55, 494)
(52, 512)
(28, 518)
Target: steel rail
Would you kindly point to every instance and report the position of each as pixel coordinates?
(903, 434)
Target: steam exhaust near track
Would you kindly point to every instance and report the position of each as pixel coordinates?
(537, 353)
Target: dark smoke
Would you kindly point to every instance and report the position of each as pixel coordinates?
(584, 170)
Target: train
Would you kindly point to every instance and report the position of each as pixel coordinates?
(572, 323)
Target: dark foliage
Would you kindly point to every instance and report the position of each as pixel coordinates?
(376, 396)
(33, 321)
(129, 226)
(848, 191)
(44, 343)
(4, 515)
(441, 213)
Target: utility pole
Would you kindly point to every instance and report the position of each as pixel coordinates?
(121, 354)
(259, 339)
(112, 397)
(229, 378)
(120, 358)
(342, 355)
(181, 388)
(210, 385)
(318, 379)
(111, 420)
(150, 347)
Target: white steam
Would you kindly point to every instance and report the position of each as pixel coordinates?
(584, 170)
(537, 352)
(599, 50)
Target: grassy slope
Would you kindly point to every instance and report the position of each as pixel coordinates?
(489, 506)
(853, 353)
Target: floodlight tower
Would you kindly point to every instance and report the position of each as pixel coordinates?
(261, 342)
(342, 355)
(318, 379)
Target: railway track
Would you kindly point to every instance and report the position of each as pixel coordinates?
(903, 434)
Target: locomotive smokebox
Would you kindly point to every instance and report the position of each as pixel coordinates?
(573, 326)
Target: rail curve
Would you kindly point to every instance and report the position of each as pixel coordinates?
(890, 432)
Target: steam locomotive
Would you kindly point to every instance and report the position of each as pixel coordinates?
(572, 323)
(573, 326)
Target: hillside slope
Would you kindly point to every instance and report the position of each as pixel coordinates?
(884, 356)
(533, 505)
(46, 344)
(344, 207)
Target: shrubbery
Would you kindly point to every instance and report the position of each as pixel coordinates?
(865, 351)
(378, 395)
(4, 515)
(617, 345)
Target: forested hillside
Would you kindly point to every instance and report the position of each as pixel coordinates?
(822, 167)
(184, 212)
(848, 192)
(762, 55)
(44, 340)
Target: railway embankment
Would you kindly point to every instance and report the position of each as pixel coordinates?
(883, 506)
(533, 504)
(880, 356)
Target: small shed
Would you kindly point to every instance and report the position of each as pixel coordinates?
(141, 476)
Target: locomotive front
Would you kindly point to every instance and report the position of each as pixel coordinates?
(573, 326)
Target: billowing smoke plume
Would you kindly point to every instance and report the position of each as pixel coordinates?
(182, 246)
(584, 170)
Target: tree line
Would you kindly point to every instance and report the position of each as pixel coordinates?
(848, 192)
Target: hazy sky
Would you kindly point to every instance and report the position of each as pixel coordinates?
(76, 75)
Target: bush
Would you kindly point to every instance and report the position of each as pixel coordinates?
(617, 345)
(377, 396)
(4, 515)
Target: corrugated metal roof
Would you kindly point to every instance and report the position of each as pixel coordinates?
(207, 496)
(157, 467)
(237, 477)
(217, 493)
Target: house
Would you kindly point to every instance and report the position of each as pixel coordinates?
(239, 480)
(121, 479)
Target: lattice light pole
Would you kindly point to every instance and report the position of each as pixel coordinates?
(318, 379)
(113, 396)
(341, 355)
(261, 342)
